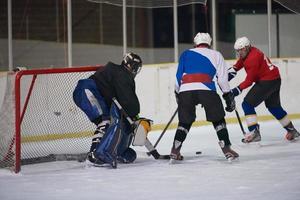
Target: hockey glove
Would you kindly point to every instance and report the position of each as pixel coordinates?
(236, 91)
(231, 73)
(229, 100)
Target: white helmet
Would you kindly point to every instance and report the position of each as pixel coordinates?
(241, 43)
(202, 38)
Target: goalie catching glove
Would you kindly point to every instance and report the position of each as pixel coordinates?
(142, 127)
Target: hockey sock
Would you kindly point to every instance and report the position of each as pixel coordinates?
(222, 133)
(248, 109)
(282, 117)
(289, 127)
(278, 113)
(251, 121)
(250, 115)
(182, 131)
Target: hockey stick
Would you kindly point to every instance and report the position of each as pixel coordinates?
(240, 122)
(148, 144)
(238, 117)
(165, 129)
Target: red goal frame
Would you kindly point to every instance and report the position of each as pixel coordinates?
(20, 113)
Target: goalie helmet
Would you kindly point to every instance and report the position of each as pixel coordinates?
(241, 43)
(202, 38)
(133, 63)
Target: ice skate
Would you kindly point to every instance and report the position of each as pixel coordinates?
(175, 158)
(92, 161)
(292, 133)
(230, 154)
(253, 136)
(175, 155)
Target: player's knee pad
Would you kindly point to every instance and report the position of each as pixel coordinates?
(128, 156)
(248, 109)
(277, 112)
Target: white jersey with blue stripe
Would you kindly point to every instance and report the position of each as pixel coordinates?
(199, 69)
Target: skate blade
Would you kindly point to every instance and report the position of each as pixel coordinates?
(89, 164)
(252, 142)
(243, 140)
(232, 160)
(174, 161)
(294, 140)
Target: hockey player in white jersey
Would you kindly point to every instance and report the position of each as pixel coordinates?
(199, 69)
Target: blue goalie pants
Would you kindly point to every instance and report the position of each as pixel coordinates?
(88, 98)
(114, 146)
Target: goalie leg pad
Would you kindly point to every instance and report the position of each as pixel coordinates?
(107, 148)
(127, 156)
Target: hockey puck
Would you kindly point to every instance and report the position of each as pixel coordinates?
(198, 152)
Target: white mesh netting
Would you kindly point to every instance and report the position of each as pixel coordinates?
(7, 125)
(53, 127)
(149, 3)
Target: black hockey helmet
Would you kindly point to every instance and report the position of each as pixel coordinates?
(133, 63)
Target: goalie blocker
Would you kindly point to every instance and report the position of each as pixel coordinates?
(142, 127)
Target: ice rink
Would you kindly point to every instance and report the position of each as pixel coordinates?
(265, 171)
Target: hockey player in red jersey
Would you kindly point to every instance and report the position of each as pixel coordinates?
(266, 88)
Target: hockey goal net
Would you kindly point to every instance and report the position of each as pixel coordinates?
(39, 121)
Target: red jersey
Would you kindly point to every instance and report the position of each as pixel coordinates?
(257, 66)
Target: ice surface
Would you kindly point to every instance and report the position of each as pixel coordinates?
(265, 171)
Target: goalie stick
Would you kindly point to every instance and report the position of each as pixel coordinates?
(148, 144)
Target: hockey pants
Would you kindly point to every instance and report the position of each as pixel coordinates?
(88, 98)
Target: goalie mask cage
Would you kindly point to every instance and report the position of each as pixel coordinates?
(39, 122)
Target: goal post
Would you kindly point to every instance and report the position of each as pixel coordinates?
(39, 121)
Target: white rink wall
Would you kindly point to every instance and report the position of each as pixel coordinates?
(155, 89)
